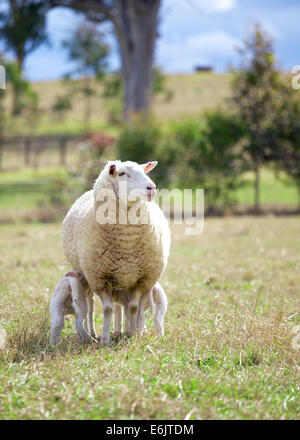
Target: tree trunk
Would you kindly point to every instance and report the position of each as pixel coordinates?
(135, 24)
(16, 109)
(87, 104)
(257, 188)
(136, 35)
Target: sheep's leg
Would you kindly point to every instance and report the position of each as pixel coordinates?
(127, 318)
(133, 311)
(91, 307)
(57, 324)
(108, 309)
(118, 318)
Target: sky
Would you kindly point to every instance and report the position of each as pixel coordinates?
(191, 32)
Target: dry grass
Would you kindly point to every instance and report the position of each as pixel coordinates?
(233, 302)
(191, 95)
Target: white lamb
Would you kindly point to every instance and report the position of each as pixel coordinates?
(69, 297)
(122, 260)
(156, 300)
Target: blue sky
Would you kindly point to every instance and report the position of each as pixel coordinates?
(191, 32)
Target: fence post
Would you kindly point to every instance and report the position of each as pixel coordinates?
(62, 151)
(27, 151)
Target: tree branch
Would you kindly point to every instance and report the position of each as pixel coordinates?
(96, 10)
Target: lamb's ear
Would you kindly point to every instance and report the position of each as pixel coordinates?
(149, 166)
(112, 169)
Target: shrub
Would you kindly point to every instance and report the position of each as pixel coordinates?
(207, 154)
(142, 142)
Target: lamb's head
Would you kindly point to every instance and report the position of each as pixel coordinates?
(129, 180)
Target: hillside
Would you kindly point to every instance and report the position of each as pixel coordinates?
(191, 94)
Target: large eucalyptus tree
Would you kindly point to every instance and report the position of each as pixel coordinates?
(135, 26)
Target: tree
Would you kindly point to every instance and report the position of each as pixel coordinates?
(206, 153)
(255, 93)
(87, 49)
(287, 125)
(135, 25)
(22, 29)
(114, 92)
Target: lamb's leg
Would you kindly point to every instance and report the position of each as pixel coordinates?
(91, 307)
(118, 318)
(108, 309)
(161, 303)
(57, 324)
(80, 308)
(80, 328)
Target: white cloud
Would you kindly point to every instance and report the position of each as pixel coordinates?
(215, 48)
(212, 6)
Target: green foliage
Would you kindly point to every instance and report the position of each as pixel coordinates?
(22, 27)
(268, 108)
(87, 49)
(207, 154)
(25, 99)
(62, 104)
(288, 132)
(92, 151)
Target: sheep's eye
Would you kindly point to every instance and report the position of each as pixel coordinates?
(122, 174)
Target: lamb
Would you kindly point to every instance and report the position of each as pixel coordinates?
(123, 255)
(157, 301)
(69, 297)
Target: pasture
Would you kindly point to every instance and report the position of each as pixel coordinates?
(191, 95)
(227, 352)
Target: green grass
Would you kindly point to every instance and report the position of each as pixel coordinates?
(233, 303)
(274, 190)
(27, 190)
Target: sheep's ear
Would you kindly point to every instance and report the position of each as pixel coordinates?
(112, 169)
(149, 166)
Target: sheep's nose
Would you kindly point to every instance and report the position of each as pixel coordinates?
(151, 190)
(151, 187)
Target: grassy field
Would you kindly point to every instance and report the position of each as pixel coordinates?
(192, 94)
(227, 351)
(29, 194)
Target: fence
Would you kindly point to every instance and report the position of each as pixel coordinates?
(23, 151)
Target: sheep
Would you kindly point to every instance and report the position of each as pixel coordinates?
(120, 259)
(70, 296)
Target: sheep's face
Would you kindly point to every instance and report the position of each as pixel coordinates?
(130, 180)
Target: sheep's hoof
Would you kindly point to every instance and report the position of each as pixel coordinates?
(104, 342)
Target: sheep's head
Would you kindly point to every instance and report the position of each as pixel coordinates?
(130, 181)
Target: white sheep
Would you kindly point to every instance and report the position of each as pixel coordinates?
(70, 296)
(121, 260)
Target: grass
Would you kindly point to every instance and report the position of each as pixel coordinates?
(30, 193)
(233, 303)
(192, 94)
